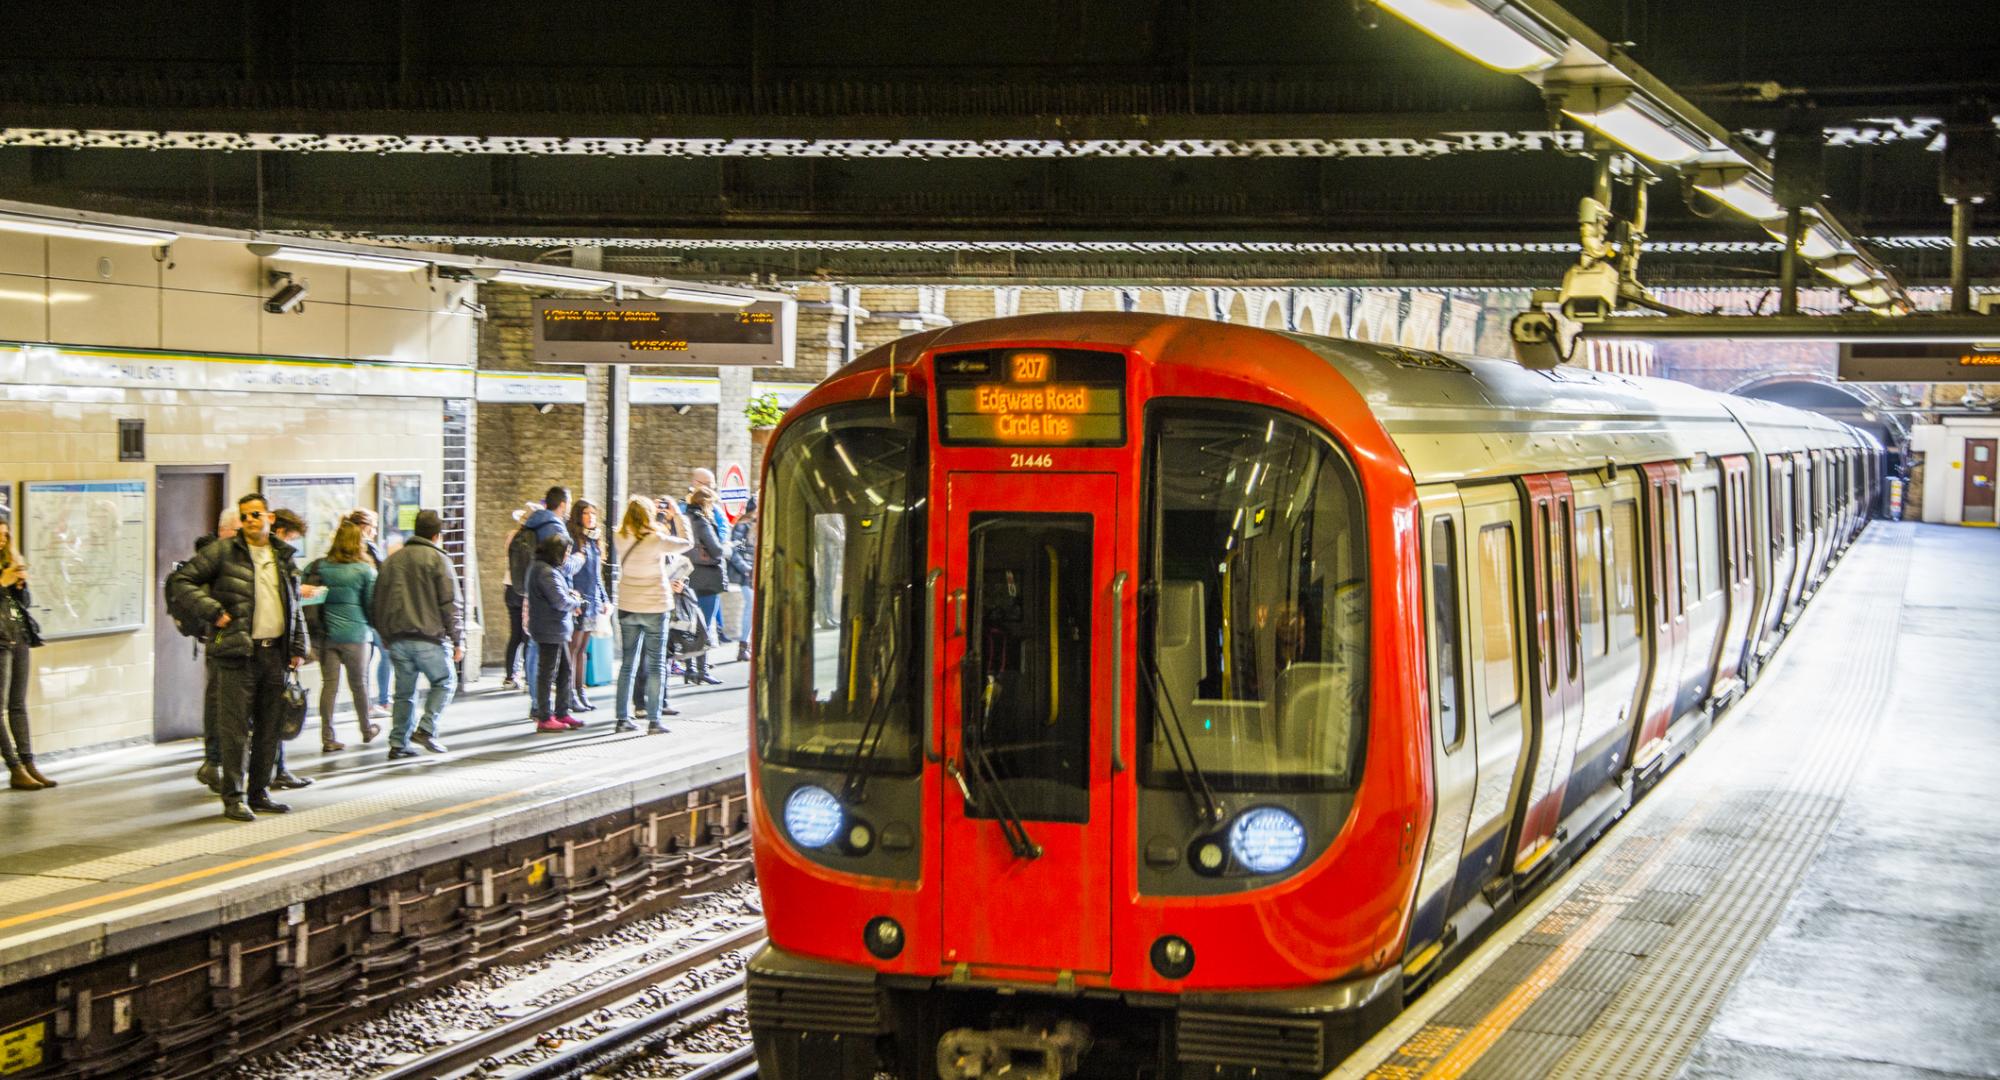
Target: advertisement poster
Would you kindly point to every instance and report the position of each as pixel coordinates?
(398, 497)
(321, 500)
(85, 544)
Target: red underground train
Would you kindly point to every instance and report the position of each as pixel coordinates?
(1141, 696)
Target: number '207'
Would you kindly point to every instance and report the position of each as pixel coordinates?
(1031, 461)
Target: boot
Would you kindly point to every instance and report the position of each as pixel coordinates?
(36, 774)
(369, 731)
(327, 743)
(19, 780)
(742, 651)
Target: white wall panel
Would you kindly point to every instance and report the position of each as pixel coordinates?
(392, 289)
(91, 260)
(125, 316)
(317, 330)
(24, 308)
(454, 338)
(209, 322)
(388, 334)
(218, 266)
(23, 253)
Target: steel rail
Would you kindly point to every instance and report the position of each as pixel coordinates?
(594, 1055)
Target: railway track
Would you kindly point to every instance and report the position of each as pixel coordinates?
(488, 1053)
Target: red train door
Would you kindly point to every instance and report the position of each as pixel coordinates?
(1557, 670)
(1025, 825)
(1666, 608)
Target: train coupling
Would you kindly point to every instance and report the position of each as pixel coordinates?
(1012, 1053)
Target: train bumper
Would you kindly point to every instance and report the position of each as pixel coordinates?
(812, 1018)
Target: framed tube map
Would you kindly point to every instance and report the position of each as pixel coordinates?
(85, 543)
(320, 500)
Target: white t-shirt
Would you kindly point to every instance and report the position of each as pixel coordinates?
(268, 620)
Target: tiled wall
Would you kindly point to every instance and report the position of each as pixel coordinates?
(98, 690)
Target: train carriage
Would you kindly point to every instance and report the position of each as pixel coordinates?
(1139, 694)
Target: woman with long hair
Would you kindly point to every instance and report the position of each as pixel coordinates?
(709, 554)
(552, 608)
(588, 581)
(345, 632)
(18, 634)
(646, 561)
(371, 547)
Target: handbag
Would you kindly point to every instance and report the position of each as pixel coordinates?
(292, 709)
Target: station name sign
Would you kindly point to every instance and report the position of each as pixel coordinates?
(663, 332)
(1031, 397)
(1920, 362)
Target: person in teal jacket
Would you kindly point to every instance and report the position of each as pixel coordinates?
(349, 578)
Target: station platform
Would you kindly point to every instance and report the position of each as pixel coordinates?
(130, 850)
(1809, 894)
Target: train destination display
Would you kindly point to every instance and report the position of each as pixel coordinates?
(1031, 397)
(1942, 362)
(653, 332)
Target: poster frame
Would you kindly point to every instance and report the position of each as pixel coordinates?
(21, 548)
(385, 510)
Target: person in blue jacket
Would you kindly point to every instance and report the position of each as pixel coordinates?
(587, 578)
(551, 609)
(545, 522)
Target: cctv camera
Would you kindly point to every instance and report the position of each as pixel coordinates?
(291, 297)
(546, 408)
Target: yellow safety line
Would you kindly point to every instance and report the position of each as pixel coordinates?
(1481, 1036)
(253, 860)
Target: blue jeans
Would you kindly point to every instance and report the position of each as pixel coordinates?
(743, 620)
(711, 613)
(645, 631)
(409, 657)
(382, 670)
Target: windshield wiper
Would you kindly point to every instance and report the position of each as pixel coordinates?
(854, 779)
(979, 781)
(1200, 795)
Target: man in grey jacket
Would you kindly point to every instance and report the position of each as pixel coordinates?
(417, 611)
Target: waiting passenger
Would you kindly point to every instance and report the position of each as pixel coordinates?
(646, 560)
(371, 545)
(540, 524)
(210, 772)
(289, 527)
(553, 605)
(517, 631)
(417, 610)
(742, 571)
(247, 588)
(709, 553)
(18, 634)
(587, 578)
(343, 642)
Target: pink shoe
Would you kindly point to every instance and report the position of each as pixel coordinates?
(551, 725)
(569, 721)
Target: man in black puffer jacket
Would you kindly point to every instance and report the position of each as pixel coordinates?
(248, 589)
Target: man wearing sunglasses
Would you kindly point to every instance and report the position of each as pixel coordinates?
(247, 588)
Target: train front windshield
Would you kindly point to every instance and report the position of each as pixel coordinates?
(1254, 649)
(839, 594)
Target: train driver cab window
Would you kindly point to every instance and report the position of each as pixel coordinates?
(1444, 632)
(1627, 619)
(1497, 627)
(839, 617)
(1253, 653)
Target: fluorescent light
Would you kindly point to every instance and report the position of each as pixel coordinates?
(352, 259)
(1816, 241)
(1493, 32)
(1742, 190)
(1870, 295)
(1847, 270)
(1632, 121)
(551, 281)
(86, 230)
(692, 296)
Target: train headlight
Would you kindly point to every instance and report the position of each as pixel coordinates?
(1266, 840)
(813, 816)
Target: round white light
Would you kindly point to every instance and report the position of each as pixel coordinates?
(812, 816)
(1266, 840)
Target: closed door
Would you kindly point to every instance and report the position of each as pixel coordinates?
(1979, 474)
(187, 502)
(1026, 821)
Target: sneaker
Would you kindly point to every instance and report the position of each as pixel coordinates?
(664, 711)
(397, 753)
(570, 722)
(550, 725)
(429, 743)
(378, 712)
(656, 728)
(623, 725)
(511, 683)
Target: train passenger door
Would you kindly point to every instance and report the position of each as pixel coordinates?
(1666, 606)
(1557, 677)
(1454, 748)
(1737, 576)
(1500, 677)
(1026, 817)
(1777, 501)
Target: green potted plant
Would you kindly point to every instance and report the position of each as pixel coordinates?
(763, 412)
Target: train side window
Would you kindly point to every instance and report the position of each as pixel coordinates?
(1444, 619)
(1590, 579)
(1627, 617)
(1772, 493)
(1497, 626)
(1684, 531)
(1545, 621)
(1708, 541)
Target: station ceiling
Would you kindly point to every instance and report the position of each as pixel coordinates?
(1053, 140)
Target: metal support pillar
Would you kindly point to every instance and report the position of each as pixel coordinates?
(1961, 241)
(1788, 264)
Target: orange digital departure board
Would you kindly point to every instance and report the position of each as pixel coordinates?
(1031, 397)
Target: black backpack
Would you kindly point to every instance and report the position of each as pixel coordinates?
(186, 624)
(521, 557)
